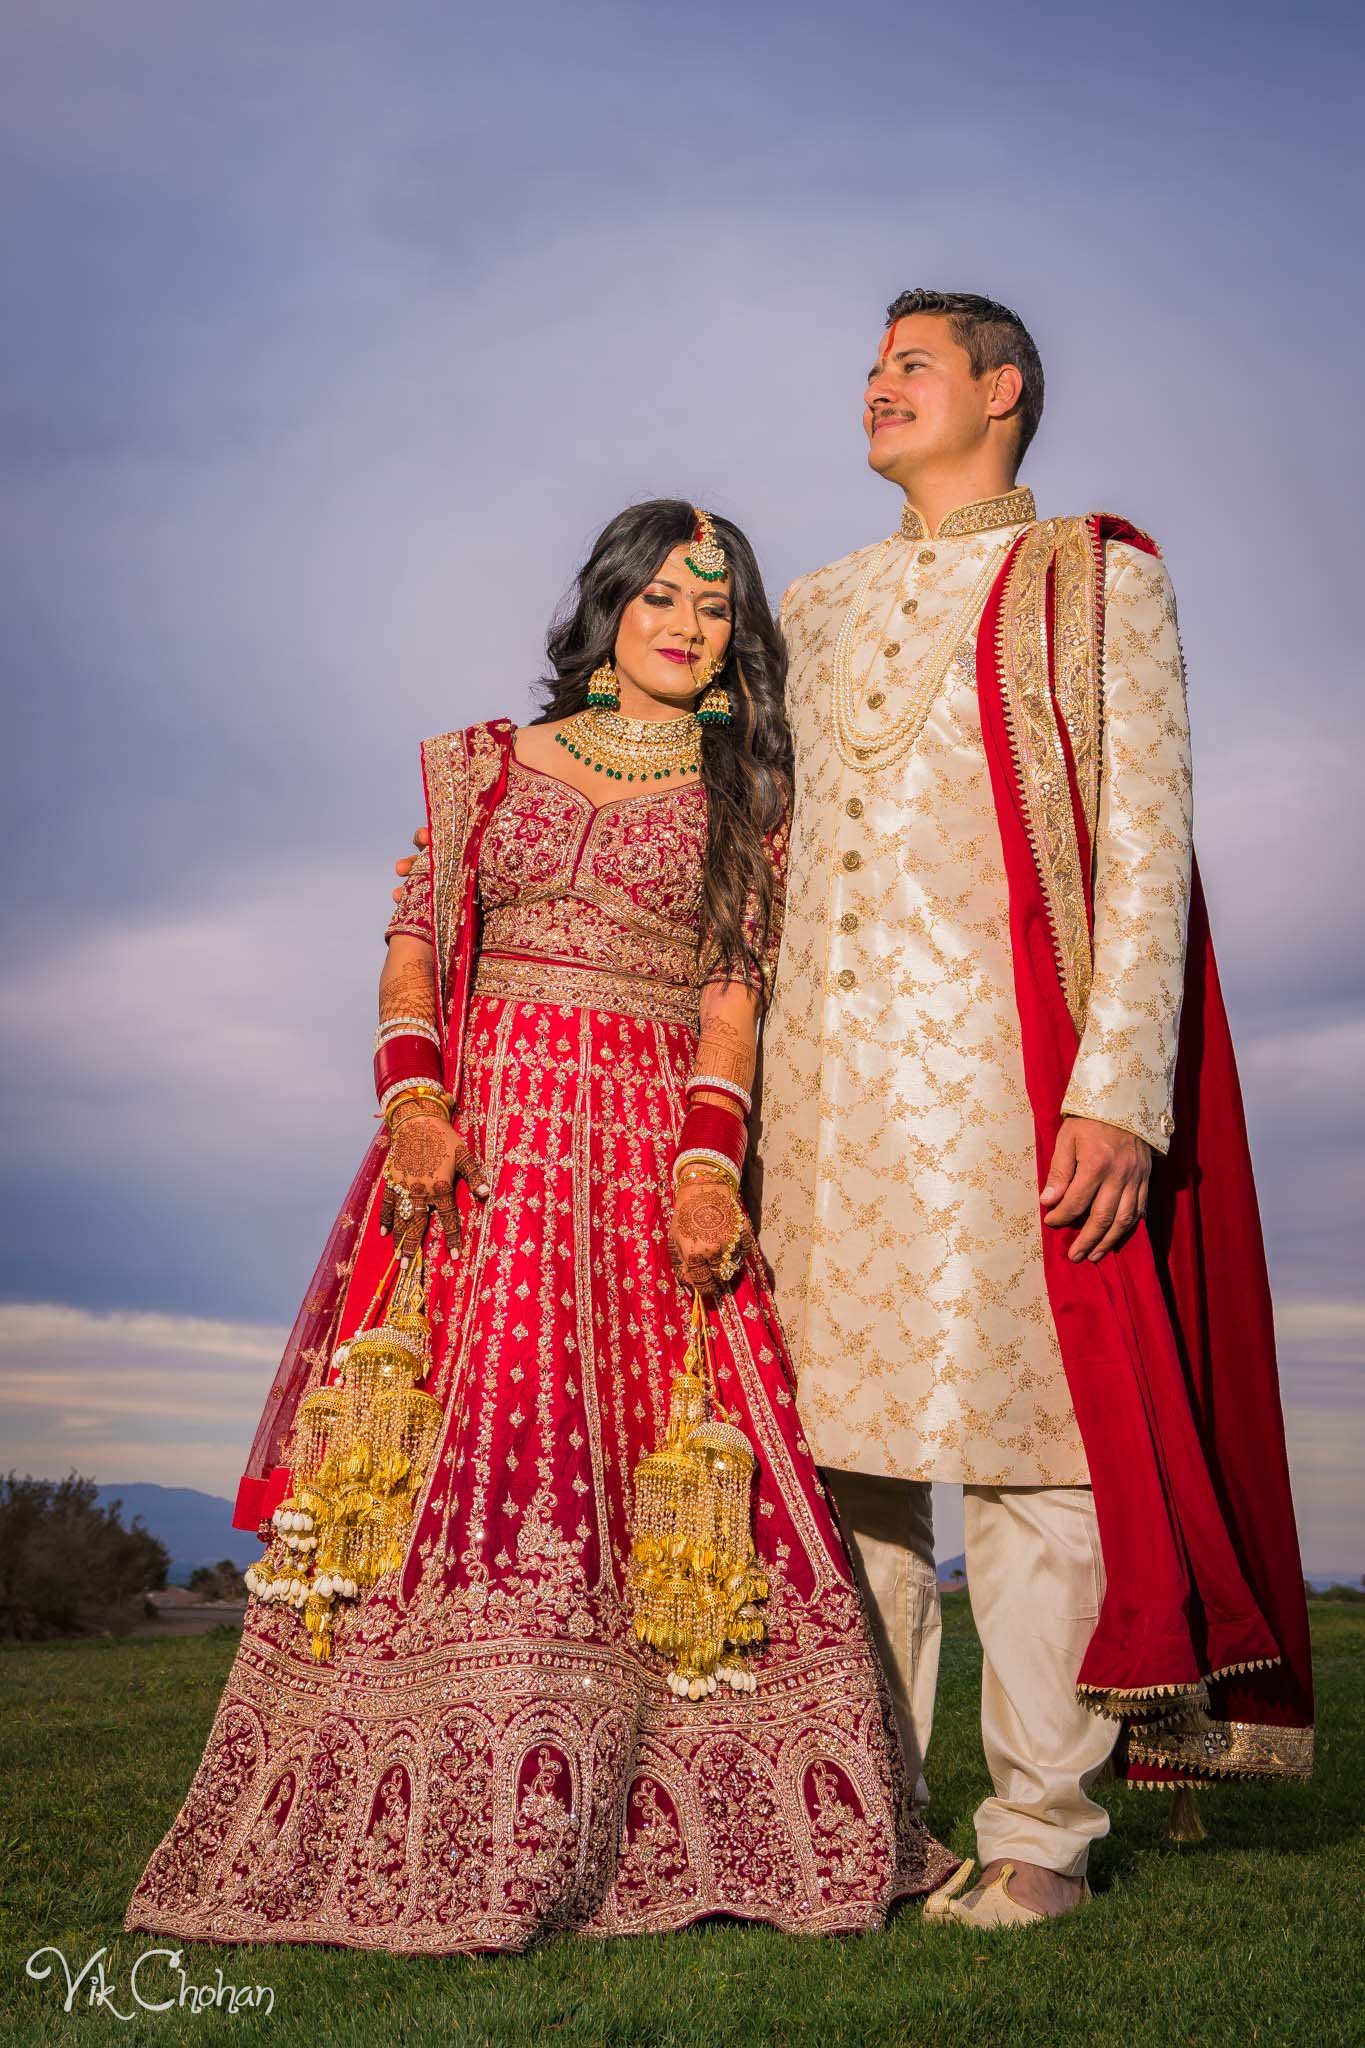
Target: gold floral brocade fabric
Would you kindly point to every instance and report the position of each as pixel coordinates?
(900, 1191)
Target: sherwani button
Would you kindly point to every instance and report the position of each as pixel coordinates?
(925, 557)
(849, 921)
(891, 649)
(852, 861)
(854, 807)
(910, 607)
(876, 699)
(847, 977)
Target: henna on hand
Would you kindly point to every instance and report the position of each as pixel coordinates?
(408, 990)
(425, 1157)
(417, 1174)
(727, 1052)
(471, 1170)
(707, 1224)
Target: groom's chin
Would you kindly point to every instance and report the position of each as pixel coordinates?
(886, 449)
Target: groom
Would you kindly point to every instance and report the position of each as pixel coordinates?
(996, 1013)
(973, 1067)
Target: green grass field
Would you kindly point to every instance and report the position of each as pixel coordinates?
(1253, 1936)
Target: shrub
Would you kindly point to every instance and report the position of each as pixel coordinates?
(68, 1567)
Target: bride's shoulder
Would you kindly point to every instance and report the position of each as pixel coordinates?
(492, 735)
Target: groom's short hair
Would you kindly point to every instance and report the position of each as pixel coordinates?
(992, 336)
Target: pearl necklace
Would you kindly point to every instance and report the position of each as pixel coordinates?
(633, 749)
(869, 750)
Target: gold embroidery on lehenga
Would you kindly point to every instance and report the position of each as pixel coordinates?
(445, 772)
(490, 1755)
(593, 988)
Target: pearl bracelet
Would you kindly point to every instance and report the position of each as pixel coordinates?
(406, 1027)
(720, 1086)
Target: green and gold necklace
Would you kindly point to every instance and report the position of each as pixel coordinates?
(633, 749)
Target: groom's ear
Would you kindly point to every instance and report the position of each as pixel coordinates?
(1006, 390)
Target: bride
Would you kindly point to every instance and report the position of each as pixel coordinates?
(555, 1629)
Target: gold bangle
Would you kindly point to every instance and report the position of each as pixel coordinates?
(433, 1094)
(425, 1111)
(701, 1165)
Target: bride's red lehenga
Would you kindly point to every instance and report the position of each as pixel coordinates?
(491, 1755)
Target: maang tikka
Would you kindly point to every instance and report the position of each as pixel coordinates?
(707, 557)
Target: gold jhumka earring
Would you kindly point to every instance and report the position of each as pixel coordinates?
(604, 689)
(714, 708)
(694, 1573)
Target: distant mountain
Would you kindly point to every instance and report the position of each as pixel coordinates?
(196, 1528)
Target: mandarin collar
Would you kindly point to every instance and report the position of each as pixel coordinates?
(1011, 508)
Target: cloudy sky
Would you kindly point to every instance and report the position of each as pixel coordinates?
(334, 332)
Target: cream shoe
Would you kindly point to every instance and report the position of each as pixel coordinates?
(991, 1905)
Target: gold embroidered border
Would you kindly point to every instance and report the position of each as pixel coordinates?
(1163, 1702)
(1011, 508)
(1139, 1703)
(1076, 655)
(1040, 764)
(586, 988)
(457, 768)
(1228, 1749)
(445, 771)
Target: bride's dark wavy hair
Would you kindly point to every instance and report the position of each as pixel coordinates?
(746, 767)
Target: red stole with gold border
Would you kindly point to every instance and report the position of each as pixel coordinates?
(1201, 1647)
(464, 775)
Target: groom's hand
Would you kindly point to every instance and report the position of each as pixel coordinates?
(1098, 1178)
(421, 839)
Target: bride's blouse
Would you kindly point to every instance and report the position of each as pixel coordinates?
(587, 903)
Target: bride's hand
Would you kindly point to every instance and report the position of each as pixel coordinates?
(427, 1155)
(421, 839)
(705, 1232)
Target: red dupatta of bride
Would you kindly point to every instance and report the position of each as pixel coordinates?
(464, 775)
(1168, 1343)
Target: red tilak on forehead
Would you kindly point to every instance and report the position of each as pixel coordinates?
(885, 345)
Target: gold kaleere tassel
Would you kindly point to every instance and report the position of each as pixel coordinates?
(694, 1574)
(360, 1453)
(1184, 1824)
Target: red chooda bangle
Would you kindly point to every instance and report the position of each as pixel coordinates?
(407, 1058)
(708, 1128)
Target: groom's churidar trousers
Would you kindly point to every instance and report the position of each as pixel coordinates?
(1035, 1576)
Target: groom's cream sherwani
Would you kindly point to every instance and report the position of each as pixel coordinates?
(900, 1194)
(900, 1186)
